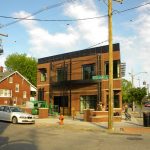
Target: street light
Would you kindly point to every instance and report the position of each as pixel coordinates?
(133, 75)
(132, 82)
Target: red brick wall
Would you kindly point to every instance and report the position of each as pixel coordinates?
(76, 74)
(23, 86)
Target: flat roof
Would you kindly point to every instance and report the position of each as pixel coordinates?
(80, 53)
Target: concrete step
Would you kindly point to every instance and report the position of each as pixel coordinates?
(104, 119)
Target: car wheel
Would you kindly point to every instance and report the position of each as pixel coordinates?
(14, 120)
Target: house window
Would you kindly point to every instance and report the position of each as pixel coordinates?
(17, 88)
(43, 74)
(88, 102)
(5, 93)
(24, 94)
(116, 69)
(88, 71)
(10, 79)
(62, 74)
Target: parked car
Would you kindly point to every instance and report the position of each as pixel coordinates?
(147, 104)
(15, 115)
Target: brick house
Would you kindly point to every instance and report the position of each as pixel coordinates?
(15, 89)
(72, 80)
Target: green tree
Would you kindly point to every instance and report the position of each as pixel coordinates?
(137, 95)
(25, 65)
(126, 86)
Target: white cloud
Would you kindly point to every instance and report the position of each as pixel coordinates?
(93, 31)
(43, 43)
(135, 49)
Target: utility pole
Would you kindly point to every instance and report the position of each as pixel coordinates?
(110, 103)
(111, 95)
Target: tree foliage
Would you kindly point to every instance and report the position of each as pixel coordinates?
(27, 66)
(126, 86)
(130, 94)
(137, 94)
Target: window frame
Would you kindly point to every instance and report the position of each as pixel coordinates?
(90, 74)
(10, 79)
(5, 93)
(24, 94)
(63, 74)
(43, 74)
(17, 88)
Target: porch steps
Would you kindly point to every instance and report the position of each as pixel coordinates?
(102, 116)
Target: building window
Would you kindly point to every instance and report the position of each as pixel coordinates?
(41, 94)
(5, 93)
(88, 71)
(116, 68)
(43, 74)
(17, 88)
(88, 102)
(62, 74)
(116, 99)
(24, 94)
(10, 79)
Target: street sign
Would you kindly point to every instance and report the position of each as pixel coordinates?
(100, 77)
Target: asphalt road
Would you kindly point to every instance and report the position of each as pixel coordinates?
(67, 137)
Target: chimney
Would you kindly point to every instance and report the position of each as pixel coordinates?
(1, 68)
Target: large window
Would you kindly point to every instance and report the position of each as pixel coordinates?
(88, 71)
(5, 93)
(88, 102)
(62, 74)
(43, 73)
(116, 68)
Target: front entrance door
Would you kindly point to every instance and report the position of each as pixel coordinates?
(62, 103)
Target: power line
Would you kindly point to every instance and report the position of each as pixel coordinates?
(97, 44)
(7, 17)
(67, 20)
(35, 13)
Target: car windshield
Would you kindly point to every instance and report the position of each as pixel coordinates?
(15, 109)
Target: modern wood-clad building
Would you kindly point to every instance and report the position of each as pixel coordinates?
(78, 80)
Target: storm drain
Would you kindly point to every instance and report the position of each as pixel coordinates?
(134, 138)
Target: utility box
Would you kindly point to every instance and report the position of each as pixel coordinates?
(146, 119)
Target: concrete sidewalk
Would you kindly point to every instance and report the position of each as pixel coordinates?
(135, 126)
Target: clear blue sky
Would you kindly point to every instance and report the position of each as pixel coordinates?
(41, 39)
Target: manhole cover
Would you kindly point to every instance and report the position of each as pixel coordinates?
(134, 138)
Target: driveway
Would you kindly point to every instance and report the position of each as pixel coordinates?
(73, 135)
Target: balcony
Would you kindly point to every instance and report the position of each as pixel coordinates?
(70, 83)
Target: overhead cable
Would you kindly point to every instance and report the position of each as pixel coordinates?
(35, 13)
(67, 20)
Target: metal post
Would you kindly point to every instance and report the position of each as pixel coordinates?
(99, 81)
(110, 104)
